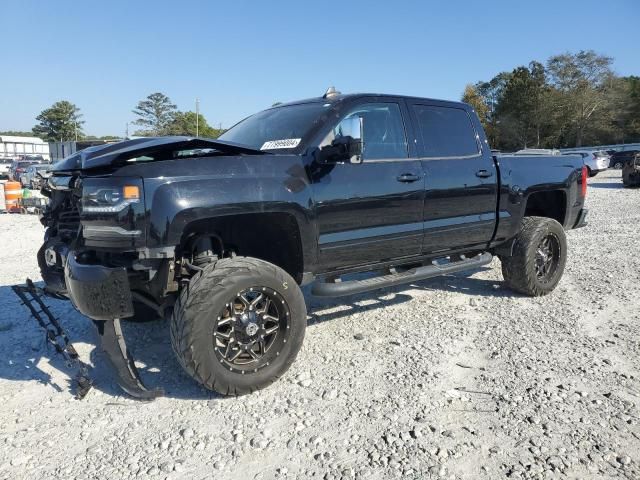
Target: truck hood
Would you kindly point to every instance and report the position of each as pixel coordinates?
(119, 153)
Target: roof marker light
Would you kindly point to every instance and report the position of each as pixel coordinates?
(331, 92)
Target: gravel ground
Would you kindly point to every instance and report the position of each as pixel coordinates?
(454, 377)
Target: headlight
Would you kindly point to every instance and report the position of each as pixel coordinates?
(98, 199)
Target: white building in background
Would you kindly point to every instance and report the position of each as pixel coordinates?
(15, 147)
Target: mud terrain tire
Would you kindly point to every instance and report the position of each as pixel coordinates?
(524, 271)
(213, 294)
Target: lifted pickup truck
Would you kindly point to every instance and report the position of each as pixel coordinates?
(219, 235)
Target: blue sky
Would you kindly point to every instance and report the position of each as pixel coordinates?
(239, 56)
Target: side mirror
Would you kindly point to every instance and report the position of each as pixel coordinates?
(347, 146)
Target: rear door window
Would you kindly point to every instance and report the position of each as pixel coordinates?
(446, 132)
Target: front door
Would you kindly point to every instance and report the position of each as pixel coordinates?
(461, 179)
(371, 211)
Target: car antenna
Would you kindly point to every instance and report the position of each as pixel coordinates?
(331, 92)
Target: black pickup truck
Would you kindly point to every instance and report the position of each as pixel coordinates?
(219, 235)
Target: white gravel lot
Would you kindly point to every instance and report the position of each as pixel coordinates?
(454, 377)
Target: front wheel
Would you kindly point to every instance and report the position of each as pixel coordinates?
(238, 325)
(539, 257)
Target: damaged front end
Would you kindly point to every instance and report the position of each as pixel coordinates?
(95, 250)
(96, 280)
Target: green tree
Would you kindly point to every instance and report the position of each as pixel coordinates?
(624, 107)
(60, 122)
(103, 137)
(155, 115)
(491, 92)
(17, 133)
(473, 98)
(522, 108)
(583, 81)
(184, 123)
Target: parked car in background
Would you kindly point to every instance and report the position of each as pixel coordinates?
(5, 167)
(618, 158)
(18, 167)
(631, 170)
(595, 161)
(30, 178)
(538, 151)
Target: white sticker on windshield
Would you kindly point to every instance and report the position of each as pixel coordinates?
(285, 143)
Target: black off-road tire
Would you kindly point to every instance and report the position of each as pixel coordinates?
(198, 305)
(519, 270)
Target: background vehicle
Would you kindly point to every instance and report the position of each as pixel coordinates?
(538, 151)
(18, 167)
(631, 171)
(617, 159)
(217, 235)
(5, 168)
(595, 161)
(29, 177)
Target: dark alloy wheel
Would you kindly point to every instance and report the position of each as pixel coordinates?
(547, 258)
(251, 329)
(617, 165)
(538, 257)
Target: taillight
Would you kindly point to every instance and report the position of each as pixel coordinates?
(583, 182)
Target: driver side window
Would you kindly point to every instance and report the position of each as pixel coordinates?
(383, 131)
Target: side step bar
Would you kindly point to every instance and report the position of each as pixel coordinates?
(351, 287)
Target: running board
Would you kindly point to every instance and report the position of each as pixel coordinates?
(351, 287)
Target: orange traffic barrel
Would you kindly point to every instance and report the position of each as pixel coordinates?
(12, 196)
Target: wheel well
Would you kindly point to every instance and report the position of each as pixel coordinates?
(274, 237)
(550, 204)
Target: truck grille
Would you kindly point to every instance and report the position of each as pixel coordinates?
(69, 223)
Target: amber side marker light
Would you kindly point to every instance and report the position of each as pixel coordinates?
(131, 192)
(585, 176)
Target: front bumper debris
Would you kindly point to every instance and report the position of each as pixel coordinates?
(99, 292)
(103, 294)
(31, 297)
(122, 362)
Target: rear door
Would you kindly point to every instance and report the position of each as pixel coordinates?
(460, 178)
(371, 211)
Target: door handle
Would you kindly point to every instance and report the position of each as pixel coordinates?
(484, 174)
(408, 178)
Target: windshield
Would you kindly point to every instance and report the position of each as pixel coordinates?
(276, 128)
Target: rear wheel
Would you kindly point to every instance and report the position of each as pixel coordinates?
(617, 165)
(238, 325)
(539, 257)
